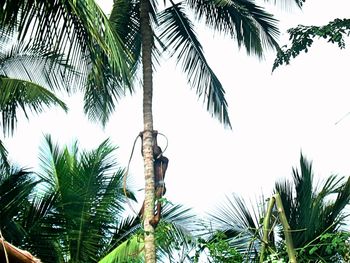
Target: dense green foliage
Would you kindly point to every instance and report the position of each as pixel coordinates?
(217, 249)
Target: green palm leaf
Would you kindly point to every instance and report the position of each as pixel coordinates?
(16, 93)
(43, 226)
(175, 230)
(176, 30)
(73, 26)
(124, 20)
(130, 250)
(16, 187)
(244, 21)
(25, 61)
(81, 31)
(25, 71)
(4, 163)
(240, 223)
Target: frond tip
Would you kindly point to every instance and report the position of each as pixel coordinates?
(15, 93)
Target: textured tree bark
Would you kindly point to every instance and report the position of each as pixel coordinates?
(147, 44)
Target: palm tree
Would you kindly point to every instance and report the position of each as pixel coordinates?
(77, 214)
(143, 27)
(315, 215)
(78, 206)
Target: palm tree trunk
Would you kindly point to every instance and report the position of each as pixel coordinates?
(147, 43)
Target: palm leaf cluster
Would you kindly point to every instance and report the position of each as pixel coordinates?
(82, 32)
(74, 28)
(80, 205)
(174, 237)
(314, 214)
(74, 210)
(16, 187)
(28, 78)
(174, 35)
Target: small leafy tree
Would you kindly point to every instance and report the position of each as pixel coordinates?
(302, 38)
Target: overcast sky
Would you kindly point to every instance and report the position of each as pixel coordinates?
(274, 118)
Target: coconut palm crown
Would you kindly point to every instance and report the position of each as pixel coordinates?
(317, 217)
(174, 33)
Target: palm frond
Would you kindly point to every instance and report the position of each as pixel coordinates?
(178, 35)
(76, 26)
(80, 30)
(89, 200)
(240, 224)
(312, 212)
(287, 3)
(125, 21)
(16, 187)
(130, 250)
(4, 162)
(43, 226)
(101, 95)
(25, 95)
(235, 213)
(343, 199)
(176, 229)
(176, 232)
(50, 157)
(127, 227)
(46, 68)
(244, 21)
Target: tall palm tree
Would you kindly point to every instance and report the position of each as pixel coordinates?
(143, 26)
(316, 216)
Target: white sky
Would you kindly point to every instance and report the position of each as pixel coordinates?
(274, 117)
